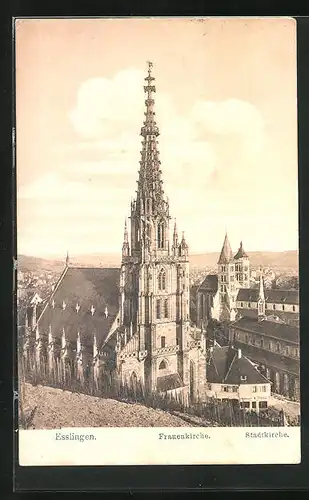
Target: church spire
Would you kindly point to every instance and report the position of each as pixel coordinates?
(226, 252)
(150, 184)
(261, 300)
(175, 239)
(261, 290)
(125, 246)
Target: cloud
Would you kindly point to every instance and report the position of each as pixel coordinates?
(231, 117)
(95, 177)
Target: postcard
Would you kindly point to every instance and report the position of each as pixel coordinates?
(157, 241)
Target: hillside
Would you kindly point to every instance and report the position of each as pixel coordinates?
(288, 259)
(56, 409)
(284, 260)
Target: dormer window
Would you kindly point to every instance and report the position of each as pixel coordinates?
(92, 310)
(243, 378)
(63, 305)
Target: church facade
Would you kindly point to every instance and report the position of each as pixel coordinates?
(133, 321)
(217, 295)
(228, 296)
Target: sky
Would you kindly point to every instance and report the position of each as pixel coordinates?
(226, 107)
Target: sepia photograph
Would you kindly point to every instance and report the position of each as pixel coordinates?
(157, 272)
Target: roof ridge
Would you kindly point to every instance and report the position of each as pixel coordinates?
(229, 370)
(214, 362)
(53, 294)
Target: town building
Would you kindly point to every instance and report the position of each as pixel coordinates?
(131, 322)
(272, 344)
(233, 377)
(229, 294)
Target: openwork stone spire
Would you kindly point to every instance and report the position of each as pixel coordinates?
(150, 184)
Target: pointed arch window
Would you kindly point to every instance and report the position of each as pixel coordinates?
(158, 306)
(148, 206)
(161, 234)
(166, 308)
(162, 280)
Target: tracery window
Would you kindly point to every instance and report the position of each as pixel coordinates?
(166, 308)
(162, 280)
(158, 309)
(161, 230)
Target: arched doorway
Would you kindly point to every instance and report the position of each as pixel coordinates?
(133, 382)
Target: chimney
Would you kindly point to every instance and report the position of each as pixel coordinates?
(239, 353)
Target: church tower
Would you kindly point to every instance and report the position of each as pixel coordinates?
(242, 267)
(226, 280)
(154, 285)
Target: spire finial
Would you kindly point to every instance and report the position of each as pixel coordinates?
(67, 260)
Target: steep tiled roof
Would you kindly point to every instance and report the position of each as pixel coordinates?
(241, 254)
(271, 296)
(270, 359)
(90, 288)
(268, 328)
(287, 317)
(169, 382)
(226, 367)
(226, 252)
(210, 284)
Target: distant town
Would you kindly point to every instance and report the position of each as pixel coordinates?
(39, 276)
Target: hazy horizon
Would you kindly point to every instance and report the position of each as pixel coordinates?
(226, 108)
(116, 254)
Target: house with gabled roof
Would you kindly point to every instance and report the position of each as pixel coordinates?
(233, 377)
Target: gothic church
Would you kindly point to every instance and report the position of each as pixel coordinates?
(133, 321)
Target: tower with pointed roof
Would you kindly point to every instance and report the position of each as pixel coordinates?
(261, 300)
(154, 283)
(242, 267)
(226, 280)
